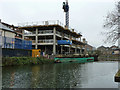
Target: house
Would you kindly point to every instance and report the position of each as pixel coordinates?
(7, 36)
(108, 50)
(15, 29)
(6, 32)
(11, 45)
(11, 37)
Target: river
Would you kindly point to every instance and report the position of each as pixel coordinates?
(63, 75)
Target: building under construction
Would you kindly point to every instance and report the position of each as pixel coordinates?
(47, 35)
(52, 37)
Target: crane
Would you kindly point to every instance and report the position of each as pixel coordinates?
(66, 10)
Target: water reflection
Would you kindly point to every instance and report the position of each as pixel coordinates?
(63, 75)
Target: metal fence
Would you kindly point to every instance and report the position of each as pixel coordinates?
(15, 43)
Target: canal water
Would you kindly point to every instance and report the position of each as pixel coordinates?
(62, 75)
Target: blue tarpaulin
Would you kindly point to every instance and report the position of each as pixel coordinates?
(64, 42)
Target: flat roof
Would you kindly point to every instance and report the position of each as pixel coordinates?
(50, 27)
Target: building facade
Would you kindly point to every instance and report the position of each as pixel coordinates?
(108, 50)
(18, 32)
(9, 38)
(45, 36)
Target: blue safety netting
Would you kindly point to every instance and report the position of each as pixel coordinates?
(16, 43)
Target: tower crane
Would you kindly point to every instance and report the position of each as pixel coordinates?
(66, 10)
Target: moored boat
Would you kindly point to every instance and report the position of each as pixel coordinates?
(74, 59)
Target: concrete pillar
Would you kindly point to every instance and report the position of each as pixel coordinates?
(61, 49)
(45, 49)
(69, 45)
(80, 49)
(76, 50)
(62, 45)
(80, 38)
(54, 41)
(69, 49)
(23, 33)
(36, 40)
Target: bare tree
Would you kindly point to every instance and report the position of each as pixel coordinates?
(112, 24)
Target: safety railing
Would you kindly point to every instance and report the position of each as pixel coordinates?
(30, 33)
(59, 33)
(45, 41)
(49, 22)
(33, 41)
(66, 35)
(45, 31)
(74, 38)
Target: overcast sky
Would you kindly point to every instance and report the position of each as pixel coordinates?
(86, 16)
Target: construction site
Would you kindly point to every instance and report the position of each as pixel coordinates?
(53, 37)
(50, 37)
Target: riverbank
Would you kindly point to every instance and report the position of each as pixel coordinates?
(109, 57)
(11, 61)
(117, 76)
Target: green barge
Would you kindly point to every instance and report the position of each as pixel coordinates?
(74, 59)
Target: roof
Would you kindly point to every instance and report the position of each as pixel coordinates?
(3, 27)
(49, 27)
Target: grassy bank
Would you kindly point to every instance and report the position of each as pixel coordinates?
(10, 61)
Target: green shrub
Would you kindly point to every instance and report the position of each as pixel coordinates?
(6, 61)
